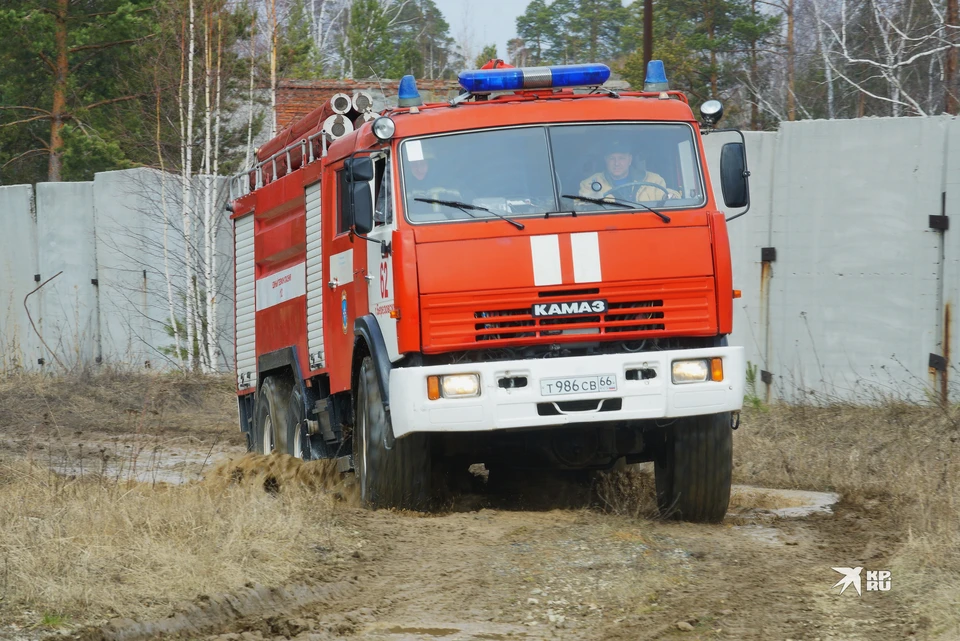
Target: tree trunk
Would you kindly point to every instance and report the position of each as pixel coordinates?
(187, 199)
(273, 68)
(791, 75)
(647, 33)
(754, 104)
(253, 66)
(827, 66)
(166, 233)
(950, 71)
(205, 345)
(58, 112)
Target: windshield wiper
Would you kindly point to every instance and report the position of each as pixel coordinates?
(627, 204)
(467, 207)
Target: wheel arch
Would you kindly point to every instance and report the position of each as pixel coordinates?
(284, 361)
(369, 341)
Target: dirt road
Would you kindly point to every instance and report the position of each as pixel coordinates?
(583, 574)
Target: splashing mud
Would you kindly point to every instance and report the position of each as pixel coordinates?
(278, 473)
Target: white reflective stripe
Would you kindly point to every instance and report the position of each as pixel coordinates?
(586, 257)
(546, 260)
(282, 286)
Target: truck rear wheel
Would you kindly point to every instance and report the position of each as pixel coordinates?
(391, 472)
(271, 413)
(694, 468)
(298, 443)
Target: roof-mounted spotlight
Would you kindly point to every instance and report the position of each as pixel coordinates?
(384, 128)
(711, 112)
(407, 93)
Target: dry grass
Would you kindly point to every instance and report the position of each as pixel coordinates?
(899, 461)
(118, 402)
(88, 548)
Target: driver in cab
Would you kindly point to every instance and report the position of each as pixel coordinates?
(622, 180)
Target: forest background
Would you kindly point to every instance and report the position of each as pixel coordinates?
(189, 86)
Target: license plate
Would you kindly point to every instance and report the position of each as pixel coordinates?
(578, 385)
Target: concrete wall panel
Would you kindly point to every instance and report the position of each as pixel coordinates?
(19, 346)
(130, 252)
(68, 305)
(854, 287)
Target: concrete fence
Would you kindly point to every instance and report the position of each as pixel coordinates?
(848, 268)
(102, 244)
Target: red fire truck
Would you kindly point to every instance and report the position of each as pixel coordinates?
(534, 275)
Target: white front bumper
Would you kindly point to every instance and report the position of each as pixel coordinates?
(498, 409)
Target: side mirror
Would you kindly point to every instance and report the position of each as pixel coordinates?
(362, 203)
(359, 169)
(734, 174)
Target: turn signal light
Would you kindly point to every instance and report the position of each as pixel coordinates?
(433, 387)
(737, 293)
(716, 369)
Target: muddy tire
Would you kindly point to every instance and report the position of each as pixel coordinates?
(271, 414)
(392, 473)
(694, 467)
(298, 442)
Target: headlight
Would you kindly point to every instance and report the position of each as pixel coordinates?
(697, 371)
(460, 385)
(691, 371)
(453, 386)
(384, 128)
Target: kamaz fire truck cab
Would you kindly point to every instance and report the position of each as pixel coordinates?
(528, 276)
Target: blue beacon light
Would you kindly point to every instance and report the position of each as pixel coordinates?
(407, 93)
(488, 80)
(656, 79)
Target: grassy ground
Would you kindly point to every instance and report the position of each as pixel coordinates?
(83, 538)
(80, 547)
(900, 462)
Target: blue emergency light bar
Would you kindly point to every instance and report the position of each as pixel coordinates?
(513, 79)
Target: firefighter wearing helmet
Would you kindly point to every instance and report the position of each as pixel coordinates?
(622, 179)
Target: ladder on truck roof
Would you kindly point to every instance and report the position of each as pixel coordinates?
(239, 185)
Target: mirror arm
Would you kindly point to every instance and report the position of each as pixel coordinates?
(746, 169)
(354, 232)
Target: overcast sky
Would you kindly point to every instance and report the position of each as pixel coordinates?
(483, 22)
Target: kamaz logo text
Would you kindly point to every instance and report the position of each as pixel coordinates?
(570, 309)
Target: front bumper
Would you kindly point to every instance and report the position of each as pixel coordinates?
(497, 408)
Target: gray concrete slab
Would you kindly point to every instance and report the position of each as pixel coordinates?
(19, 346)
(68, 305)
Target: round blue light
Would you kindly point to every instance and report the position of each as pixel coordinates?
(656, 79)
(407, 93)
(488, 80)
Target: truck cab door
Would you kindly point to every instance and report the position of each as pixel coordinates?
(346, 288)
(380, 292)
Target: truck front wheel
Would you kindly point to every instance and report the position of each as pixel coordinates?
(694, 467)
(391, 472)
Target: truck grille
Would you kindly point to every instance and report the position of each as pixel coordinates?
(682, 307)
(632, 316)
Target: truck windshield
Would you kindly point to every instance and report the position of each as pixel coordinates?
(528, 171)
